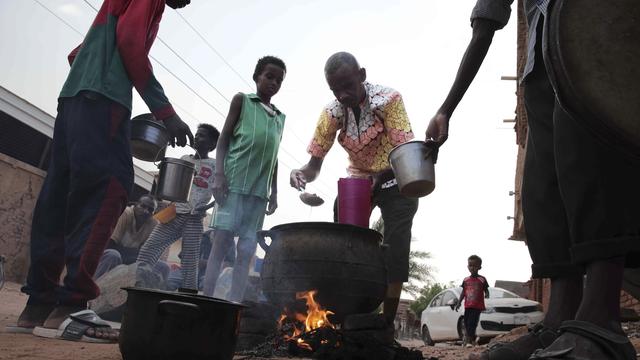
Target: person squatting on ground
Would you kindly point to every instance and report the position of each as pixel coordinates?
(475, 289)
(90, 174)
(581, 204)
(132, 230)
(187, 223)
(246, 174)
(369, 121)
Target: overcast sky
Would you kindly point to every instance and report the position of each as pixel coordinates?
(414, 46)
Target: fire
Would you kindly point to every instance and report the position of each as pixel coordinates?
(315, 318)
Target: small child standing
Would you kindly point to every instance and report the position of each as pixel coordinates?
(188, 221)
(474, 290)
(246, 175)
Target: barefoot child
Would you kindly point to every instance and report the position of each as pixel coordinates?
(475, 289)
(246, 174)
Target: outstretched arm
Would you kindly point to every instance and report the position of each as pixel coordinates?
(483, 30)
(306, 174)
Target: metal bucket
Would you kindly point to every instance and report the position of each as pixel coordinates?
(175, 179)
(149, 138)
(413, 167)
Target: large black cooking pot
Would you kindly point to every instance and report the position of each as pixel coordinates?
(162, 325)
(591, 50)
(343, 262)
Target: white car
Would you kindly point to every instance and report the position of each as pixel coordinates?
(504, 311)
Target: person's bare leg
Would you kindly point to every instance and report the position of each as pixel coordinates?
(222, 243)
(391, 301)
(601, 301)
(564, 300)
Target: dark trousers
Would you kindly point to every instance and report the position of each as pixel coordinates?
(85, 191)
(471, 320)
(580, 198)
(397, 213)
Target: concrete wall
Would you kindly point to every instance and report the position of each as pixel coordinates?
(20, 185)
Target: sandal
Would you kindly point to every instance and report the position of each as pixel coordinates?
(538, 337)
(581, 340)
(84, 326)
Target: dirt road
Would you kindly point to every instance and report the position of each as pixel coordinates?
(25, 346)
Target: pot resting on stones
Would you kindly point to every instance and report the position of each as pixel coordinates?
(344, 263)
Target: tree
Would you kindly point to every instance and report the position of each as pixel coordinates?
(419, 272)
(427, 294)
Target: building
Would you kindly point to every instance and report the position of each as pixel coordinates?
(25, 142)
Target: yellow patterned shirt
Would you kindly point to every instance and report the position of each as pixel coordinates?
(368, 144)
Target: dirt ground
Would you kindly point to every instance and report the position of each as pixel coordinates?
(29, 347)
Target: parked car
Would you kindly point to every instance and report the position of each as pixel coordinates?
(504, 311)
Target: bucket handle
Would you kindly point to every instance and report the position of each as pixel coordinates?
(179, 308)
(431, 150)
(261, 235)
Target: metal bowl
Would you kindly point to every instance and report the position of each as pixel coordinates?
(413, 167)
(149, 138)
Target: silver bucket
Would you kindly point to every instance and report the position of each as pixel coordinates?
(413, 167)
(175, 179)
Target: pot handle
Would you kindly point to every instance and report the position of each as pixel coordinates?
(261, 235)
(179, 308)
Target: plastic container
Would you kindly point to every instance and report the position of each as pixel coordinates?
(354, 201)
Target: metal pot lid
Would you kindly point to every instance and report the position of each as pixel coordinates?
(318, 225)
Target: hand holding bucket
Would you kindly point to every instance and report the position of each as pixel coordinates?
(413, 166)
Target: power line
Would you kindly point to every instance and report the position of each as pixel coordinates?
(81, 34)
(213, 49)
(171, 72)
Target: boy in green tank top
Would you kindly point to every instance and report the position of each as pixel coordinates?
(245, 186)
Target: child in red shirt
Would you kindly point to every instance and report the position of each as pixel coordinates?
(474, 289)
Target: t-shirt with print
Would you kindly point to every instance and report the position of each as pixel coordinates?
(473, 288)
(370, 140)
(202, 184)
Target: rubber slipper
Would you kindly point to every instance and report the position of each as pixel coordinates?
(538, 337)
(15, 329)
(581, 340)
(74, 328)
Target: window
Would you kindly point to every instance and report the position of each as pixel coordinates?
(437, 301)
(448, 296)
(502, 294)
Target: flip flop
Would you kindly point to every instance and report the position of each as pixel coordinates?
(15, 329)
(74, 328)
(581, 340)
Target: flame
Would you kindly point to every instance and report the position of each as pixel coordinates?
(315, 318)
(316, 315)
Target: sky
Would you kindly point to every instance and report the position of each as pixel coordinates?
(413, 46)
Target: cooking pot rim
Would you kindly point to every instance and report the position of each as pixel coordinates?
(406, 143)
(179, 162)
(147, 119)
(185, 296)
(325, 226)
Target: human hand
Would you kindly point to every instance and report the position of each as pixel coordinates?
(220, 188)
(438, 129)
(457, 307)
(178, 131)
(273, 203)
(297, 179)
(177, 4)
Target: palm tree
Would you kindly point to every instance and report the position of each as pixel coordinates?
(420, 273)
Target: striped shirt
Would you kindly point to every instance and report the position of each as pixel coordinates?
(253, 148)
(500, 10)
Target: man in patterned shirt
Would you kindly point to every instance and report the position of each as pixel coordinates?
(580, 201)
(369, 121)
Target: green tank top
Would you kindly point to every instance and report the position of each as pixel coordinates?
(253, 149)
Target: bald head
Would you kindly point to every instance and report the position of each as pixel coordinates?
(338, 60)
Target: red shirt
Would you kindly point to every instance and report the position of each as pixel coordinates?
(473, 288)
